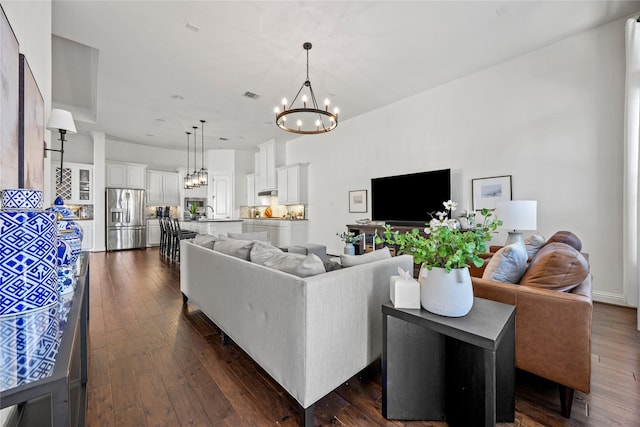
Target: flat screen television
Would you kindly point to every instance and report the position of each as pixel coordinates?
(409, 199)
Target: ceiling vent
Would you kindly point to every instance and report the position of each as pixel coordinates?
(251, 95)
(222, 138)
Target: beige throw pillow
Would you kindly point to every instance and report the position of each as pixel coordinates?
(351, 260)
(237, 248)
(507, 265)
(533, 244)
(204, 240)
(296, 264)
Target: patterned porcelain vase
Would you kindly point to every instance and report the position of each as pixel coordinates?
(65, 265)
(71, 233)
(28, 253)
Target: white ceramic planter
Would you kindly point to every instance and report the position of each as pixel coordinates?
(447, 294)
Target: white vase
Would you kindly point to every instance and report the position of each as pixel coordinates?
(349, 249)
(447, 294)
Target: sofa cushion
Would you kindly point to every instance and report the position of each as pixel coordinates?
(237, 248)
(351, 260)
(507, 265)
(205, 240)
(292, 263)
(557, 266)
(533, 244)
(256, 235)
(566, 237)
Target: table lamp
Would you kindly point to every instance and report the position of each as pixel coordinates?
(517, 215)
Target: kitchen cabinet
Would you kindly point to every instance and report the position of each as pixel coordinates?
(163, 188)
(279, 232)
(88, 228)
(269, 156)
(126, 175)
(251, 190)
(292, 184)
(77, 183)
(153, 232)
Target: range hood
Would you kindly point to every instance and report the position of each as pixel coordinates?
(268, 193)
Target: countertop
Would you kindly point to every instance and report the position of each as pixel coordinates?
(275, 219)
(212, 220)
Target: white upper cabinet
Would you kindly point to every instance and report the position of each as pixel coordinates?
(292, 184)
(251, 190)
(163, 188)
(269, 156)
(126, 175)
(76, 187)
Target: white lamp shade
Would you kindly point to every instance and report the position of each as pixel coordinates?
(518, 214)
(61, 120)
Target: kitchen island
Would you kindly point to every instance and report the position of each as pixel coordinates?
(212, 226)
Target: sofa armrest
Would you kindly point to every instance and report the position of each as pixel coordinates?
(495, 291)
(553, 330)
(554, 336)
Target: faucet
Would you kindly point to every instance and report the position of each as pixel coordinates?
(210, 207)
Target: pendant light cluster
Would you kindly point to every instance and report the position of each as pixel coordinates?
(306, 120)
(196, 178)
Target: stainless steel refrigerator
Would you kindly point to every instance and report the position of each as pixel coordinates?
(126, 223)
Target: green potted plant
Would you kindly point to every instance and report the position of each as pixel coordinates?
(444, 253)
(349, 239)
(193, 210)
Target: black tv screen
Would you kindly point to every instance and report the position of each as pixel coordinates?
(410, 199)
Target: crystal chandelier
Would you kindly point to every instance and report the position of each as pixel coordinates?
(187, 177)
(308, 120)
(203, 176)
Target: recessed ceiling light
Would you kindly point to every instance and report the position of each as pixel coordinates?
(159, 119)
(148, 134)
(193, 27)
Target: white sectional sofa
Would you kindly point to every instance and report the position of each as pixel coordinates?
(309, 334)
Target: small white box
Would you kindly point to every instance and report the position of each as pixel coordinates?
(405, 292)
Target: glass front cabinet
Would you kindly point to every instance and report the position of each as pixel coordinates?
(77, 183)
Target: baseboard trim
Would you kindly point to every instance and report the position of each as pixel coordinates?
(610, 298)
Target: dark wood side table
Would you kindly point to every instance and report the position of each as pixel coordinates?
(461, 370)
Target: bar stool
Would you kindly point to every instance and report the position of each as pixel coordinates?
(163, 236)
(179, 234)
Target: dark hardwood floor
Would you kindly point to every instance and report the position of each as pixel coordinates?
(155, 362)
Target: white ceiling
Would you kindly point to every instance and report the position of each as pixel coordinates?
(155, 78)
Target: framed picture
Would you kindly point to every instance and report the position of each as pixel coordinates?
(486, 192)
(358, 201)
(31, 130)
(9, 70)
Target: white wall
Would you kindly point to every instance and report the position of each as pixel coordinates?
(553, 119)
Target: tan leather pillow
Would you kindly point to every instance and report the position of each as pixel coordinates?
(557, 266)
(566, 237)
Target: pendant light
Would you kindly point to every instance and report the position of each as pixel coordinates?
(187, 177)
(203, 175)
(195, 180)
(308, 120)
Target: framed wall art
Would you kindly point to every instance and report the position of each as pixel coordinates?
(358, 201)
(9, 70)
(31, 130)
(486, 192)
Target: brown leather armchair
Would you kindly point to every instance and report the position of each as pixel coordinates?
(553, 331)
